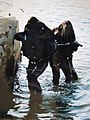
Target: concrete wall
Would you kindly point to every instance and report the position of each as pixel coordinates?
(9, 55)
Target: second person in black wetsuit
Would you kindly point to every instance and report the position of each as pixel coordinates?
(65, 38)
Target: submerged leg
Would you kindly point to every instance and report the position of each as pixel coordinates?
(56, 76)
(66, 69)
(67, 73)
(74, 74)
(55, 69)
(33, 72)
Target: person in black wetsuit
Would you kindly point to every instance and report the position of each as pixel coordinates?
(36, 40)
(66, 45)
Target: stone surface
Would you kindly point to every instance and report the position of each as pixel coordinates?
(9, 56)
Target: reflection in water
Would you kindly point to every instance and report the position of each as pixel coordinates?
(34, 104)
(21, 92)
(65, 101)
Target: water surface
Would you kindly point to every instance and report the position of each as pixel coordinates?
(66, 101)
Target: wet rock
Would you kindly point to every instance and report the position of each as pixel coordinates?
(9, 56)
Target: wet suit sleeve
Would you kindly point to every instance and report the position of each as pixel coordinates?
(19, 36)
(71, 47)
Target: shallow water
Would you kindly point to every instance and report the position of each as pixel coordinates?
(66, 101)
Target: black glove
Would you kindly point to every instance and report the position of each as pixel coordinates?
(20, 36)
(74, 46)
(68, 48)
